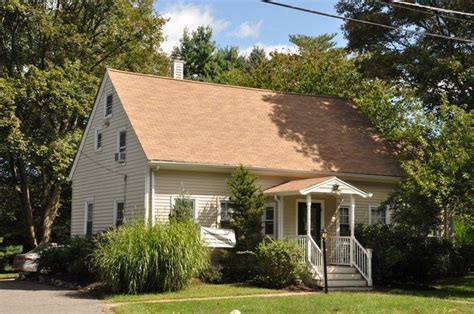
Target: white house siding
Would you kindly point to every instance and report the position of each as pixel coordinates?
(92, 179)
(207, 187)
(204, 187)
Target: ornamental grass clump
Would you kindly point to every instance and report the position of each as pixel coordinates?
(136, 259)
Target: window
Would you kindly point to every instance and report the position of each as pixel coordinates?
(89, 217)
(269, 221)
(225, 211)
(121, 145)
(108, 106)
(98, 140)
(119, 211)
(344, 226)
(194, 214)
(378, 215)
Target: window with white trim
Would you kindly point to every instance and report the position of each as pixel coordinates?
(269, 220)
(194, 214)
(98, 140)
(378, 215)
(344, 224)
(119, 213)
(108, 106)
(225, 211)
(121, 145)
(89, 218)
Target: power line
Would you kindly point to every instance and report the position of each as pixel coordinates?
(366, 22)
(102, 166)
(397, 5)
(434, 8)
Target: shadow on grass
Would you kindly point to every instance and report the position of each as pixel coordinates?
(460, 288)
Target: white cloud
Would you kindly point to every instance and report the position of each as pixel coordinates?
(248, 29)
(282, 48)
(191, 16)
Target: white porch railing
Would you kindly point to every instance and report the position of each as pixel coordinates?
(340, 251)
(313, 256)
(362, 260)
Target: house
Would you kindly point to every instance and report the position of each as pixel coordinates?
(318, 159)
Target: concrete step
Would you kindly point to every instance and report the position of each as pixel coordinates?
(341, 270)
(344, 276)
(350, 288)
(347, 283)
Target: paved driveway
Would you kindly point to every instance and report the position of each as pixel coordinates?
(32, 297)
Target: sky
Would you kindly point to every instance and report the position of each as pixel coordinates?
(245, 23)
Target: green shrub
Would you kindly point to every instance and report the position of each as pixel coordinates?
(6, 255)
(165, 257)
(403, 255)
(182, 209)
(211, 274)
(279, 263)
(73, 257)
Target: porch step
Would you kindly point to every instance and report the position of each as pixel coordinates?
(344, 276)
(333, 269)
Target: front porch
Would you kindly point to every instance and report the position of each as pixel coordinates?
(304, 207)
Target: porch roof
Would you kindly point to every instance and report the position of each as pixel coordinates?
(316, 185)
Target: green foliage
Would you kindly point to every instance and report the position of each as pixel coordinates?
(73, 257)
(247, 202)
(50, 68)
(7, 253)
(211, 274)
(432, 67)
(182, 209)
(404, 255)
(279, 263)
(165, 257)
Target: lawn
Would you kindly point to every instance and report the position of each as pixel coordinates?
(455, 295)
(345, 302)
(196, 290)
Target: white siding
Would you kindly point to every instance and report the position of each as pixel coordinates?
(206, 188)
(96, 176)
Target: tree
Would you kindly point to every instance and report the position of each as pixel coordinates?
(247, 202)
(197, 50)
(432, 67)
(182, 208)
(52, 55)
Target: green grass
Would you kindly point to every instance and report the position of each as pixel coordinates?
(8, 275)
(457, 288)
(345, 302)
(196, 290)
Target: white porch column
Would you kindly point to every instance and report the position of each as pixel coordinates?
(308, 214)
(280, 217)
(351, 225)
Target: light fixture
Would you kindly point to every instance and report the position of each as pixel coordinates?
(324, 233)
(335, 189)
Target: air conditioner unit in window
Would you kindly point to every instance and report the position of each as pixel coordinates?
(120, 157)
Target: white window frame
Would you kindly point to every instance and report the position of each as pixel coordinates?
(338, 217)
(193, 199)
(116, 202)
(120, 130)
(97, 132)
(107, 116)
(221, 200)
(265, 220)
(88, 202)
(386, 213)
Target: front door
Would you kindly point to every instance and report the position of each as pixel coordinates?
(315, 220)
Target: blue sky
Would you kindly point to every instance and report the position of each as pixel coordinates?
(245, 23)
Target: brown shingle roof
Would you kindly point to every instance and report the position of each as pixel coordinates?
(187, 121)
(296, 185)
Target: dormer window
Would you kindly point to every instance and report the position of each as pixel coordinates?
(108, 106)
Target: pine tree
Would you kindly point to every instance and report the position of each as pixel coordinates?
(182, 209)
(247, 203)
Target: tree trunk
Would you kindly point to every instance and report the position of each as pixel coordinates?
(49, 212)
(23, 190)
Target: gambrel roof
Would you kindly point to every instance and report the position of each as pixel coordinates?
(203, 123)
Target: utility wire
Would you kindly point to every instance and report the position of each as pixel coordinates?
(434, 8)
(366, 22)
(102, 166)
(398, 5)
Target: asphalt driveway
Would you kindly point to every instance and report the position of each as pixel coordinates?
(32, 297)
